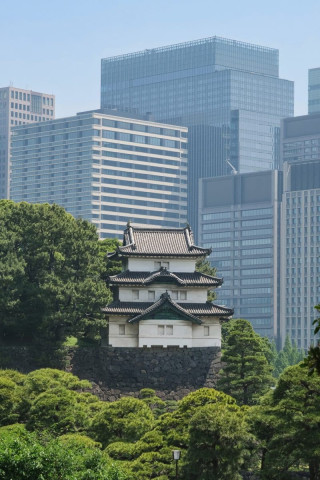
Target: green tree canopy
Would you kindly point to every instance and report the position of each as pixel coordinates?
(289, 355)
(25, 457)
(127, 420)
(313, 359)
(288, 425)
(204, 266)
(111, 267)
(51, 272)
(247, 372)
(217, 446)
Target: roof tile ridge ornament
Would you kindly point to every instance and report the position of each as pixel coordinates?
(188, 235)
(131, 235)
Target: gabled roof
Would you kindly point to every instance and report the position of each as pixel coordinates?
(137, 310)
(163, 275)
(159, 242)
(165, 303)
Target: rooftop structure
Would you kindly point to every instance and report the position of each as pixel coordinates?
(159, 298)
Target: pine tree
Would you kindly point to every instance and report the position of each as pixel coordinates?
(247, 372)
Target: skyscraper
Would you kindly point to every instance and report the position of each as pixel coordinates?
(314, 90)
(106, 167)
(300, 228)
(19, 107)
(227, 92)
(239, 218)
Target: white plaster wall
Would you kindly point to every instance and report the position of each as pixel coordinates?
(195, 295)
(214, 338)
(145, 333)
(148, 333)
(147, 264)
(130, 339)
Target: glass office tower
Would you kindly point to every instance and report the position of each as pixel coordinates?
(300, 228)
(227, 92)
(239, 218)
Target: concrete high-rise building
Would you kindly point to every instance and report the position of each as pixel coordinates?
(313, 90)
(105, 166)
(239, 218)
(300, 252)
(300, 231)
(19, 107)
(228, 93)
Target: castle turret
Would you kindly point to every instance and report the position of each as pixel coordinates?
(160, 299)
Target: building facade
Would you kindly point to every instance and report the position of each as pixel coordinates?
(300, 138)
(19, 107)
(300, 230)
(227, 92)
(159, 298)
(104, 167)
(313, 90)
(239, 218)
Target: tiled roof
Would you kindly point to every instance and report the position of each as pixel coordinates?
(163, 275)
(134, 309)
(168, 242)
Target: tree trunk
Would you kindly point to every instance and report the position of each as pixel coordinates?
(314, 468)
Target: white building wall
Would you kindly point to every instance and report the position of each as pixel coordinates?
(122, 333)
(195, 295)
(164, 332)
(148, 264)
(208, 334)
(149, 333)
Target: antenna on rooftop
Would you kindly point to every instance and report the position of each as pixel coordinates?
(234, 171)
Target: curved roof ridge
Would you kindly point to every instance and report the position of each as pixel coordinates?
(159, 242)
(181, 278)
(165, 298)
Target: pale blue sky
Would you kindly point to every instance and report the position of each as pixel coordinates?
(56, 46)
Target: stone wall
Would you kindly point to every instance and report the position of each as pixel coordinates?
(115, 372)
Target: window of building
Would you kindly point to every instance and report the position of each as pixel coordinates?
(159, 264)
(151, 294)
(135, 294)
(179, 294)
(160, 329)
(169, 329)
(122, 329)
(206, 331)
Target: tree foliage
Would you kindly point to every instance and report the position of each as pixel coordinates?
(204, 266)
(247, 372)
(25, 457)
(126, 420)
(217, 445)
(289, 355)
(58, 418)
(51, 273)
(288, 425)
(111, 267)
(313, 358)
